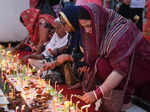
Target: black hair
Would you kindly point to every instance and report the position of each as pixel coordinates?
(83, 14)
(21, 20)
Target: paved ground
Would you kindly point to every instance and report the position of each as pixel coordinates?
(135, 108)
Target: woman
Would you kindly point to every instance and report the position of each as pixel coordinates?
(137, 7)
(84, 2)
(51, 7)
(55, 46)
(74, 41)
(109, 41)
(140, 92)
(133, 9)
(39, 30)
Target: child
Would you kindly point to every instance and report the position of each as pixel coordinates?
(56, 46)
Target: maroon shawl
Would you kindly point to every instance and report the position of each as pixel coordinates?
(110, 31)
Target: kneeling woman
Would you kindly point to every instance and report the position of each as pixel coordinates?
(40, 29)
(109, 41)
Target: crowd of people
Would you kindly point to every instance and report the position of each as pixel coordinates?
(86, 45)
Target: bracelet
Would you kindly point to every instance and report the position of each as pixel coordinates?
(99, 92)
(95, 95)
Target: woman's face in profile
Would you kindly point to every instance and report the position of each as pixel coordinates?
(87, 25)
(66, 26)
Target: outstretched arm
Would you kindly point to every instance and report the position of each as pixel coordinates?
(112, 81)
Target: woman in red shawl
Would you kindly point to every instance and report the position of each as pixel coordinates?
(109, 41)
(147, 24)
(39, 27)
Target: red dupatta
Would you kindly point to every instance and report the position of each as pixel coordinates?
(33, 3)
(31, 19)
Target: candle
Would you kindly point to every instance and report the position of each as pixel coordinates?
(85, 107)
(49, 86)
(71, 100)
(9, 45)
(60, 91)
(38, 74)
(77, 105)
(49, 83)
(42, 82)
(21, 82)
(17, 108)
(55, 86)
(28, 66)
(22, 108)
(54, 105)
(5, 85)
(66, 106)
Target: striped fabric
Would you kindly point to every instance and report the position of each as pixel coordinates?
(109, 27)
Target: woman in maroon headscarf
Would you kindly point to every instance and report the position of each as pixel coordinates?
(39, 27)
(109, 41)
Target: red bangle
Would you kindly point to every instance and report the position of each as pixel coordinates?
(99, 93)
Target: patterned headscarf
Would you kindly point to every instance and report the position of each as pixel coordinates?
(33, 3)
(31, 19)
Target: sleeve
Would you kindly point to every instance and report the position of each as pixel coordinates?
(119, 51)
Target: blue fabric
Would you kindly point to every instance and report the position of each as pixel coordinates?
(71, 13)
(46, 8)
(28, 48)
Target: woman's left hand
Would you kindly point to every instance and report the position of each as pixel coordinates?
(53, 52)
(89, 98)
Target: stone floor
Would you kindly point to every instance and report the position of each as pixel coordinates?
(135, 108)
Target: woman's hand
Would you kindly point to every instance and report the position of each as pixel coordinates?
(48, 66)
(53, 52)
(14, 51)
(84, 69)
(62, 58)
(89, 98)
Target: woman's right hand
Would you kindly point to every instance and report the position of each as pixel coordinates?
(48, 66)
(62, 58)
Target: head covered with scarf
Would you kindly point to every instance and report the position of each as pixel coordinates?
(31, 20)
(70, 15)
(110, 33)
